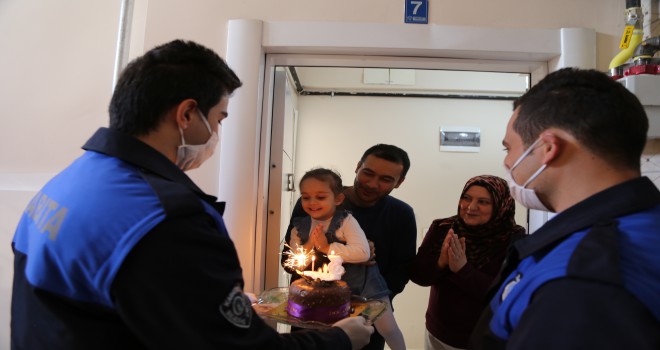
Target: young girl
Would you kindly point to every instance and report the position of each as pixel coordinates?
(327, 230)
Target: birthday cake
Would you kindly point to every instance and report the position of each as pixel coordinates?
(318, 300)
(320, 295)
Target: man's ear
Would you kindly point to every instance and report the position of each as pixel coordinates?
(182, 112)
(551, 148)
(398, 183)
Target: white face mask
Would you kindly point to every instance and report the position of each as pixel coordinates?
(192, 156)
(525, 196)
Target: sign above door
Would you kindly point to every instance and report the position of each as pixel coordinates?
(417, 11)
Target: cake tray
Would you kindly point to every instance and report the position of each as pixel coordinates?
(271, 305)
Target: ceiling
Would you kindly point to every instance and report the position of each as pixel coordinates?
(407, 82)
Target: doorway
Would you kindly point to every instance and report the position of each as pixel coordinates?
(322, 119)
(255, 47)
(327, 116)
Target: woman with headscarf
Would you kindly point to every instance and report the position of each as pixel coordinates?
(459, 258)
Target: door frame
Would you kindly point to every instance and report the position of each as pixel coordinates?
(270, 118)
(255, 47)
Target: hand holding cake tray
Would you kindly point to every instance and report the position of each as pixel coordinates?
(318, 299)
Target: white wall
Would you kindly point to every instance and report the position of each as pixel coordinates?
(335, 131)
(57, 58)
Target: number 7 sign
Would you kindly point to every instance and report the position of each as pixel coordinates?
(417, 11)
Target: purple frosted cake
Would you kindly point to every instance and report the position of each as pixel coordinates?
(322, 301)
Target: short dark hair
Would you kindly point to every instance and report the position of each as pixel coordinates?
(163, 77)
(598, 111)
(390, 153)
(328, 176)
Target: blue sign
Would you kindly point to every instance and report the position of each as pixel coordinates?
(417, 11)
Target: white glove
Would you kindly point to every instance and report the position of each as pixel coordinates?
(252, 297)
(357, 330)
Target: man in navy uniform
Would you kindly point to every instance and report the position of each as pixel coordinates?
(590, 277)
(121, 250)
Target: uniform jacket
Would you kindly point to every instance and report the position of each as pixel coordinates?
(121, 250)
(588, 279)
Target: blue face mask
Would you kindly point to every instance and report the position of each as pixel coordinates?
(525, 196)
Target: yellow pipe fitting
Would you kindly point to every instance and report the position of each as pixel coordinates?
(626, 54)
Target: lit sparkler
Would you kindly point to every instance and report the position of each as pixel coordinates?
(298, 260)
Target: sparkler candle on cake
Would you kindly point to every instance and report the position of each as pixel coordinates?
(299, 259)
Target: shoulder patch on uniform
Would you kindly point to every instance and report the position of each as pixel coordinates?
(237, 308)
(509, 286)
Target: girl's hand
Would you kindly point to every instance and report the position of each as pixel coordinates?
(320, 241)
(309, 245)
(457, 258)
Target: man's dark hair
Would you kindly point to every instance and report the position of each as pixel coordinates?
(390, 153)
(599, 112)
(163, 77)
(328, 176)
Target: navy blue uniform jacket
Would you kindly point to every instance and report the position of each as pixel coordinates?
(121, 250)
(588, 279)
